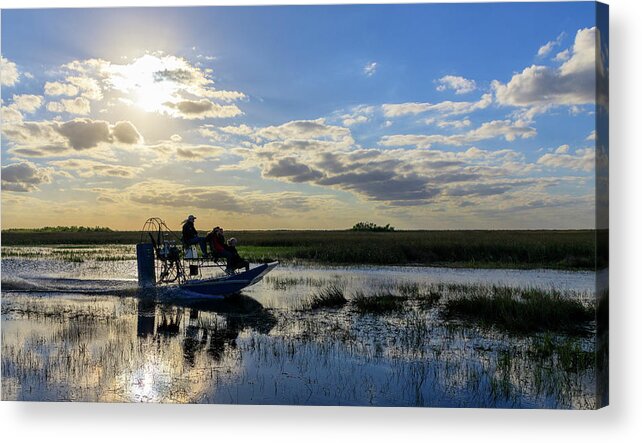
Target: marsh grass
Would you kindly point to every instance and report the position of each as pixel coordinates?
(567, 352)
(329, 297)
(72, 253)
(522, 310)
(378, 302)
(283, 283)
(411, 289)
(429, 299)
(300, 355)
(475, 249)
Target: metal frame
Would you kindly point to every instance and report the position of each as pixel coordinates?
(169, 254)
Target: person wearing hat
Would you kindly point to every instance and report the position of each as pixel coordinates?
(190, 235)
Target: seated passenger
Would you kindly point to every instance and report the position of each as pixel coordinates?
(236, 261)
(216, 240)
(190, 235)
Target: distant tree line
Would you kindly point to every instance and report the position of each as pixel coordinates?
(61, 229)
(371, 227)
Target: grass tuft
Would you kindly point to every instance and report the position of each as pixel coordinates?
(379, 303)
(429, 298)
(328, 297)
(522, 310)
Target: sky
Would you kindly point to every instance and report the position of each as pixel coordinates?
(433, 116)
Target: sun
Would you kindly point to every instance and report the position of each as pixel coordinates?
(152, 81)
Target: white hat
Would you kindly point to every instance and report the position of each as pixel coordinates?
(190, 218)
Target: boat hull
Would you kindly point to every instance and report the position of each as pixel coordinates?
(230, 284)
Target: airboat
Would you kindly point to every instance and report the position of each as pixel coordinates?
(164, 261)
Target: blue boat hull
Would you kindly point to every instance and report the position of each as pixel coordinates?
(230, 284)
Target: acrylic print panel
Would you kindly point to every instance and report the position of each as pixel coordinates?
(374, 205)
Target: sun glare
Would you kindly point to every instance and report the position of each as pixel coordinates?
(150, 82)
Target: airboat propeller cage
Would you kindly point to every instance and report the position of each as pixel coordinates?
(146, 266)
(161, 262)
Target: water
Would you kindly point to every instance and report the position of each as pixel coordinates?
(81, 331)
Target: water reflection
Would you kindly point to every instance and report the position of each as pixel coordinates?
(102, 340)
(210, 326)
(66, 347)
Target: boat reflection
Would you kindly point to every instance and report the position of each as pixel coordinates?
(204, 325)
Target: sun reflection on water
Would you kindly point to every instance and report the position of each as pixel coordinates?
(271, 349)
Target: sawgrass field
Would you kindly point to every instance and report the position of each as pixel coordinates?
(573, 249)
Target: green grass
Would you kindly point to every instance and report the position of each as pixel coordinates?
(267, 253)
(72, 254)
(522, 310)
(328, 297)
(378, 303)
(61, 229)
(568, 352)
(428, 296)
(473, 249)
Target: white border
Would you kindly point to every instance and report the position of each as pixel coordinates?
(622, 421)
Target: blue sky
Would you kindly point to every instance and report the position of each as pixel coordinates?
(423, 116)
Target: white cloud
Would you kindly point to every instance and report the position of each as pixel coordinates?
(9, 74)
(125, 132)
(55, 107)
(563, 149)
(544, 50)
(237, 130)
(230, 199)
(305, 130)
(444, 108)
(357, 115)
(53, 137)
(27, 103)
(493, 129)
(226, 96)
(583, 59)
(400, 177)
(175, 150)
(370, 69)
(158, 83)
(583, 159)
(24, 177)
(89, 87)
(90, 168)
(456, 83)
(591, 136)
(502, 128)
(573, 83)
(10, 115)
(457, 124)
(199, 152)
(84, 133)
(562, 56)
(207, 131)
(58, 88)
(358, 119)
(400, 109)
(32, 133)
(203, 108)
(78, 105)
(548, 47)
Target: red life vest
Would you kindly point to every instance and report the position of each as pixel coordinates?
(215, 241)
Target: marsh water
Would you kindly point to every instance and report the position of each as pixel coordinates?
(75, 327)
